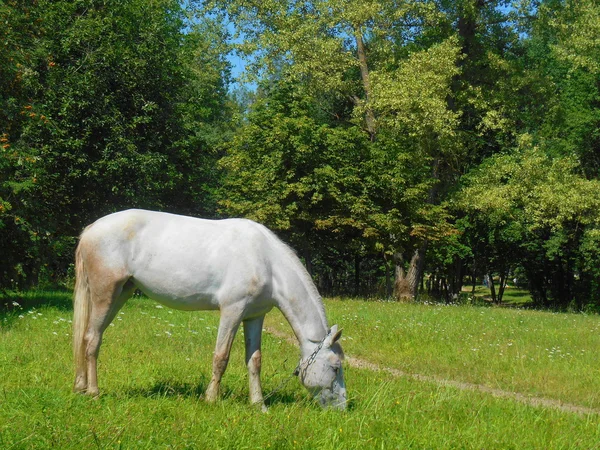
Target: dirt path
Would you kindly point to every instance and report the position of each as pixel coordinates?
(527, 399)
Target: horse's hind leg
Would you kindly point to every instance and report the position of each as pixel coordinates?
(105, 304)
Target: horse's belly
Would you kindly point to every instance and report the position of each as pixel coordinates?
(177, 294)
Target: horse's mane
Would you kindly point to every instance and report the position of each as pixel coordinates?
(294, 260)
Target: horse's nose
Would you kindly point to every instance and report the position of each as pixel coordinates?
(338, 400)
(341, 401)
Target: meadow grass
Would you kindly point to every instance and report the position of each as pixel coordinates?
(155, 364)
(513, 296)
(538, 353)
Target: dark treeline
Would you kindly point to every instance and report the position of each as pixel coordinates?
(401, 147)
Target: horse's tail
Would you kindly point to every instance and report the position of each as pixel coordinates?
(81, 310)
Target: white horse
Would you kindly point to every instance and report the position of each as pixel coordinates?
(234, 265)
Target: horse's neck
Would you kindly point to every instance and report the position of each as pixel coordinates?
(301, 305)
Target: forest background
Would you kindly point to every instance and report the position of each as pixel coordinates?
(406, 147)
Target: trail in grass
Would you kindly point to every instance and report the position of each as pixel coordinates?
(527, 399)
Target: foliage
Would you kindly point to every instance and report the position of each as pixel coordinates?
(434, 139)
(113, 111)
(305, 176)
(528, 210)
(577, 28)
(540, 213)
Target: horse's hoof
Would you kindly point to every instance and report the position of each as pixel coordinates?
(211, 395)
(80, 386)
(93, 393)
(260, 404)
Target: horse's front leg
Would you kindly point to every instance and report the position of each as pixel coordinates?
(228, 326)
(252, 336)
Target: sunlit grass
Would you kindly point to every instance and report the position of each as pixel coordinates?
(538, 353)
(155, 364)
(512, 296)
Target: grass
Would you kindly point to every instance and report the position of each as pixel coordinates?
(513, 296)
(532, 352)
(155, 364)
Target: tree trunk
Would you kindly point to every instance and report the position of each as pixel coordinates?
(366, 81)
(445, 290)
(407, 283)
(467, 28)
(308, 259)
(356, 275)
(502, 287)
(388, 278)
(401, 286)
(492, 288)
(456, 277)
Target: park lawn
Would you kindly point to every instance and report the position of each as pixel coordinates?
(537, 353)
(155, 364)
(513, 296)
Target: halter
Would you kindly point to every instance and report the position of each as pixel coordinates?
(310, 359)
(296, 372)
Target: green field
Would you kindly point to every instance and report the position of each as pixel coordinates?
(155, 364)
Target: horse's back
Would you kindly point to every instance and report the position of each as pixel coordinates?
(185, 262)
(138, 226)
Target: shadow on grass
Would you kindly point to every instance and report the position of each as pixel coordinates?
(282, 398)
(13, 304)
(60, 298)
(175, 389)
(168, 389)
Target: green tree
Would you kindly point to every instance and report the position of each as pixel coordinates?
(121, 104)
(573, 127)
(395, 78)
(297, 174)
(542, 211)
(18, 35)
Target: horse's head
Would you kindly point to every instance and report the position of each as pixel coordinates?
(322, 373)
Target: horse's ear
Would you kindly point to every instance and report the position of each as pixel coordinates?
(334, 335)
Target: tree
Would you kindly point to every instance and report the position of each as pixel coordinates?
(574, 70)
(542, 211)
(20, 57)
(116, 113)
(397, 80)
(411, 103)
(298, 174)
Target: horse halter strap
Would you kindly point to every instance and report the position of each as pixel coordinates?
(311, 358)
(296, 372)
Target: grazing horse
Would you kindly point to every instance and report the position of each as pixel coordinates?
(234, 265)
